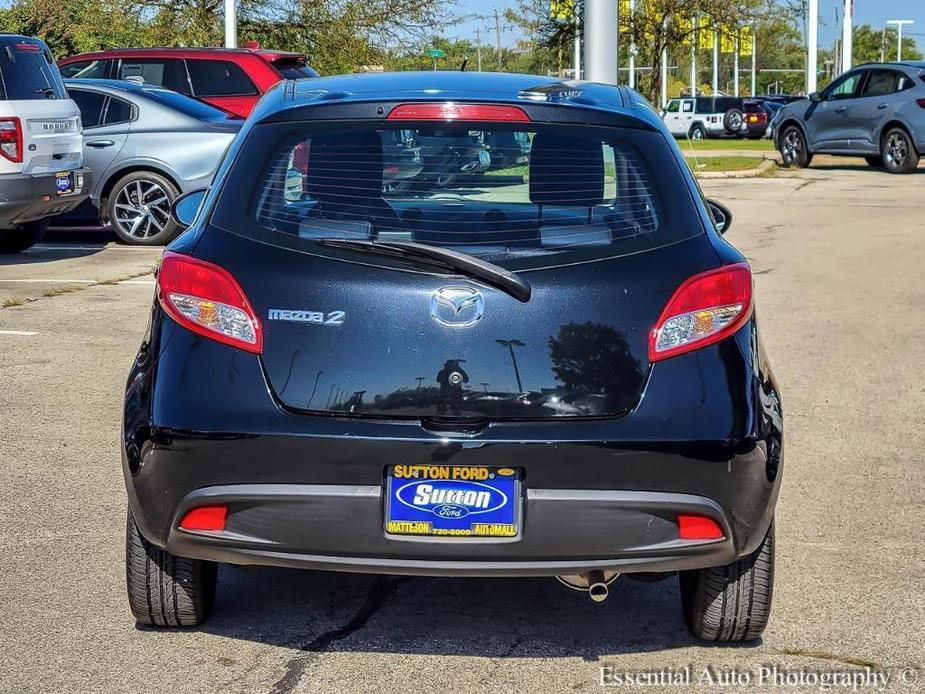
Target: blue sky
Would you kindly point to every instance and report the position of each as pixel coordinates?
(874, 12)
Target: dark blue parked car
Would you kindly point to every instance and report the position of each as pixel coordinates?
(555, 370)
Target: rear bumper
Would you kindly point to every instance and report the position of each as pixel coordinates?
(25, 198)
(339, 528)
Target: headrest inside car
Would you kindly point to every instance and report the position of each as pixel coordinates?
(566, 171)
(345, 167)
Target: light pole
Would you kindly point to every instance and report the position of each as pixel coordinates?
(812, 46)
(601, 41)
(632, 49)
(715, 61)
(511, 344)
(847, 36)
(899, 35)
(231, 25)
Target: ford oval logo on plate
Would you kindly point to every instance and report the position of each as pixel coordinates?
(452, 501)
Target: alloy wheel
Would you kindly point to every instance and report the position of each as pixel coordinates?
(897, 150)
(792, 146)
(142, 209)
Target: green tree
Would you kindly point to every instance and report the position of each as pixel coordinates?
(871, 45)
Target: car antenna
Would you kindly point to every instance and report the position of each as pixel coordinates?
(462, 68)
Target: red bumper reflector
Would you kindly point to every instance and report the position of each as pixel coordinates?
(205, 518)
(449, 111)
(698, 528)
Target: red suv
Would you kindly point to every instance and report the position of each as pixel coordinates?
(231, 78)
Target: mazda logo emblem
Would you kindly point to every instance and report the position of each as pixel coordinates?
(457, 307)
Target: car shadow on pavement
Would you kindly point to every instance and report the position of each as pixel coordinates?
(495, 618)
(64, 243)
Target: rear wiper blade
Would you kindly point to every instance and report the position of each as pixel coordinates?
(489, 273)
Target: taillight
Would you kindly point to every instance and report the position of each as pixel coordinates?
(705, 309)
(920, 102)
(11, 139)
(450, 111)
(206, 299)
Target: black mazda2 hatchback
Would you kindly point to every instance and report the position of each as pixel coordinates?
(544, 367)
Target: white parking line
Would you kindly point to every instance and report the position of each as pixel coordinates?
(20, 333)
(147, 283)
(105, 247)
(52, 280)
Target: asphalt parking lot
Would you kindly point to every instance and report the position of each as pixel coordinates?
(837, 254)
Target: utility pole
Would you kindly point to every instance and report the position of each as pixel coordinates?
(812, 46)
(632, 50)
(715, 61)
(847, 36)
(735, 66)
(478, 46)
(511, 344)
(664, 74)
(601, 41)
(899, 35)
(231, 25)
(754, 61)
(497, 39)
(695, 36)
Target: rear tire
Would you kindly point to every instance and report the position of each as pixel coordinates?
(164, 590)
(898, 152)
(22, 237)
(876, 162)
(731, 603)
(138, 209)
(793, 150)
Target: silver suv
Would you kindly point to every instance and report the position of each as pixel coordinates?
(876, 111)
(41, 147)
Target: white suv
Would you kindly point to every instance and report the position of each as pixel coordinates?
(706, 116)
(41, 146)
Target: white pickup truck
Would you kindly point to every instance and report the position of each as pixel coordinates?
(41, 145)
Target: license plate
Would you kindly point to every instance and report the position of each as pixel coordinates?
(64, 183)
(452, 501)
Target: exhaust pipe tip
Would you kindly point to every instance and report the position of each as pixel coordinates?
(597, 587)
(598, 592)
(594, 583)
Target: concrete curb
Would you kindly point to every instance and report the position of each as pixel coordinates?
(745, 173)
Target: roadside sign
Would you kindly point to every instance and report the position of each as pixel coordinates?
(435, 53)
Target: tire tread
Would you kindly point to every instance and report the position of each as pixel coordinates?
(163, 589)
(732, 602)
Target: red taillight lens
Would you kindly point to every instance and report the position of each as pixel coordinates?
(920, 102)
(11, 139)
(23, 47)
(705, 309)
(450, 111)
(692, 527)
(206, 299)
(205, 518)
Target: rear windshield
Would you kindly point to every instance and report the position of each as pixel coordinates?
(491, 191)
(185, 104)
(293, 68)
(28, 72)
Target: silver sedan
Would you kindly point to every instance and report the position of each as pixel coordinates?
(147, 145)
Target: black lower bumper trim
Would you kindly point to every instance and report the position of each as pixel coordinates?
(339, 528)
